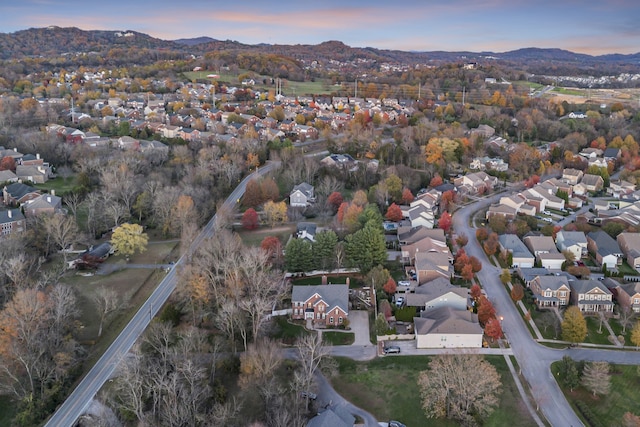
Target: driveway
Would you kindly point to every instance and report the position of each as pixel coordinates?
(359, 323)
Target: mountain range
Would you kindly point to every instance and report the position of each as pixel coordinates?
(55, 41)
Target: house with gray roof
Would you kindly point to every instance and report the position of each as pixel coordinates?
(550, 291)
(17, 193)
(628, 296)
(511, 244)
(605, 249)
(45, 203)
(302, 195)
(333, 416)
(8, 176)
(438, 293)
(574, 242)
(12, 221)
(446, 327)
(323, 304)
(630, 246)
(591, 296)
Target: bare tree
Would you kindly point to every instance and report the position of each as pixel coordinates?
(62, 230)
(596, 377)
(259, 363)
(129, 392)
(626, 317)
(462, 387)
(311, 351)
(73, 201)
(106, 301)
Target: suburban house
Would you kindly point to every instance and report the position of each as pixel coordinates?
(306, 230)
(475, 183)
(45, 203)
(428, 243)
(302, 195)
(628, 296)
(591, 296)
(446, 327)
(507, 212)
(574, 242)
(605, 249)
(550, 291)
(94, 256)
(511, 244)
(333, 416)
(322, 304)
(12, 221)
(592, 183)
(18, 193)
(34, 173)
(341, 161)
(621, 188)
(438, 293)
(519, 204)
(431, 265)
(545, 251)
(488, 163)
(572, 176)
(630, 246)
(8, 176)
(419, 215)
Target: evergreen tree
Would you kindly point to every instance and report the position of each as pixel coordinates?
(298, 255)
(366, 247)
(324, 248)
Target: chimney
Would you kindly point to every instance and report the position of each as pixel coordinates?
(38, 156)
(53, 192)
(48, 199)
(10, 213)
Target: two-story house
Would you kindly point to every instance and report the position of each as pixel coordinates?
(605, 249)
(628, 296)
(323, 304)
(550, 291)
(591, 296)
(630, 246)
(520, 255)
(12, 221)
(438, 293)
(574, 242)
(302, 195)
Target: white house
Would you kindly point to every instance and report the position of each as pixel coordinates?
(302, 195)
(574, 242)
(446, 327)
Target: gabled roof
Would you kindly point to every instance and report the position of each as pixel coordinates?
(606, 245)
(7, 176)
(551, 282)
(44, 201)
(304, 188)
(512, 243)
(433, 290)
(333, 295)
(584, 286)
(540, 243)
(16, 215)
(18, 190)
(446, 320)
(415, 234)
(589, 179)
(334, 416)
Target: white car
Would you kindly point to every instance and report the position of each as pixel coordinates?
(399, 301)
(546, 219)
(546, 212)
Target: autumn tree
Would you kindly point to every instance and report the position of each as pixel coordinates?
(360, 198)
(574, 327)
(461, 387)
(312, 351)
(505, 276)
(8, 164)
(390, 287)
(252, 194)
(275, 212)
(475, 291)
(462, 240)
(435, 181)
(486, 311)
(128, 239)
(407, 196)
(334, 201)
(250, 219)
(490, 246)
(517, 292)
(482, 234)
(635, 334)
(630, 420)
(460, 261)
(596, 377)
(493, 329)
(394, 213)
(269, 190)
(445, 221)
(467, 272)
(272, 246)
(476, 265)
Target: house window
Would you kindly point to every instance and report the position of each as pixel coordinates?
(547, 293)
(321, 308)
(317, 315)
(636, 301)
(563, 294)
(331, 320)
(336, 311)
(340, 320)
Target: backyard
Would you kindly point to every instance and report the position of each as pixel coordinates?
(387, 387)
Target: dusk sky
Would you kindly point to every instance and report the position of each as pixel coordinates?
(587, 26)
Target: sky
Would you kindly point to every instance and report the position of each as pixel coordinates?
(585, 26)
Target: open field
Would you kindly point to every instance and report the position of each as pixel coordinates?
(387, 387)
(60, 185)
(289, 87)
(255, 237)
(623, 397)
(599, 96)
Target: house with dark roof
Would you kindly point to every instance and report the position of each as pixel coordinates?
(438, 293)
(333, 416)
(12, 221)
(605, 249)
(17, 193)
(630, 246)
(323, 304)
(45, 203)
(446, 327)
(302, 195)
(306, 230)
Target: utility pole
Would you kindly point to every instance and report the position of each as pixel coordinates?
(356, 88)
(463, 94)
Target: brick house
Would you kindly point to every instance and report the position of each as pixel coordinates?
(324, 304)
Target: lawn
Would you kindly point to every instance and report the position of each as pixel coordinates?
(335, 279)
(566, 91)
(388, 388)
(623, 397)
(59, 184)
(593, 336)
(338, 338)
(286, 331)
(255, 237)
(626, 269)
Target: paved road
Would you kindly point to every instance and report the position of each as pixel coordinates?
(533, 358)
(79, 400)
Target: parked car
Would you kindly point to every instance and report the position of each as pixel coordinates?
(547, 219)
(396, 424)
(546, 212)
(399, 301)
(392, 349)
(310, 395)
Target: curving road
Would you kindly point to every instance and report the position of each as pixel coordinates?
(78, 401)
(533, 358)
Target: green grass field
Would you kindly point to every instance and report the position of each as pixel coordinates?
(338, 338)
(623, 397)
(593, 336)
(387, 387)
(60, 185)
(567, 91)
